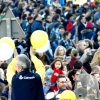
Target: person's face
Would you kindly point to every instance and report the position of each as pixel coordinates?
(40, 55)
(1, 62)
(31, 21)
(20, 40)
(83, 20)
(61, 51)
(76, 75)
(57, 64)
(83, 46)
(68, 36)
(39, 17)
(71, 18)
(61, 83)
(35, 12)
(52, 14)
(87, 44)
(62, 30)
(49, 18)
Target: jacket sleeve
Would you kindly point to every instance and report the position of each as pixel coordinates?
(11, 70)
(40, 68)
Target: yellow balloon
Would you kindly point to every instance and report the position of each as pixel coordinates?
(9, 41)
(67, 95)
(38, 39)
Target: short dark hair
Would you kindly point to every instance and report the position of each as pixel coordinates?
(65, 34)
(60, 76)
(60, 26)
(78, 64)
(88, 18)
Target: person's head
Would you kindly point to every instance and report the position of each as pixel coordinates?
(95, 69)
(86, 5)
(61, 82)
(52, 13)
(60, 51)
(82, 19)
(22, 63)
(35, 11)
(88, 43)
(69, 16)
(72, 75)
(58, 12)
(82, 45)
(97, 21)
(30, 19)
(20, 40)
(1, 62)
(78, 65)
(98, 8)
(2, 74)
(48, 18)
(97, 76)
(67, 35)
(24, 16)
(89, 18)
(96, 58)
(61, 29)
(74, 53)
(40, 55)
(57, 63)
(38, 17)
(68, 52)
(56, 18)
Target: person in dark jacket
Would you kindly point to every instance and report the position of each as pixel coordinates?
(37, 24)
(26, 85)
(88, 31)
(66, 41)
(81, 27)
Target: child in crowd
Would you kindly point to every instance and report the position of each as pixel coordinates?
(53, 72)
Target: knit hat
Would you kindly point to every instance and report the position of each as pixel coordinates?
(89, 25)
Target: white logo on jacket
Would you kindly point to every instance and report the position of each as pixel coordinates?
(21, 77)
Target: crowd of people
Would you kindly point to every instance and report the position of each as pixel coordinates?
(72, 61)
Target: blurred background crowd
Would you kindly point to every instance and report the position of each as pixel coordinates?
(73, 60)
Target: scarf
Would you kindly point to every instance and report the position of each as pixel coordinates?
(54, 77)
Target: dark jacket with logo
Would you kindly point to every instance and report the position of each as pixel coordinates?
(27, 86)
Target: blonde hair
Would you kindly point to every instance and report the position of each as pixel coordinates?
(96, 58)
(56, 51)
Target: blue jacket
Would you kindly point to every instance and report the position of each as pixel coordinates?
(88, 33)
(37, 25)
(27, 86)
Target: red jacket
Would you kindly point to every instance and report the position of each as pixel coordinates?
(69, 26)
